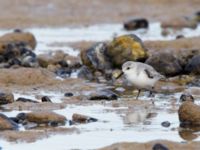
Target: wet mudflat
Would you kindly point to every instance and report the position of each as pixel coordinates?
(123, 119)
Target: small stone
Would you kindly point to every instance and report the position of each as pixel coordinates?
(6, 98)
(189, 114)
(7, 124)
(45, 118)
(46, 99)
(83, 119)
(135, 24)
(103, 95)
(20, 118)
(193, 66)
(186, 97)
(166, 124)
(147, 122)
(21, 99)
(68, 94)
(159, 146)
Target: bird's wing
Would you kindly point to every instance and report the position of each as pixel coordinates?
(152, 73)
(149, 74)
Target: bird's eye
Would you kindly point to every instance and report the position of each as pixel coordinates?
(128, 68)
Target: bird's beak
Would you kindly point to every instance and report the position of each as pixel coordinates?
(119, 75)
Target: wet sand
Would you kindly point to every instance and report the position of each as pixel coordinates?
(54, 13)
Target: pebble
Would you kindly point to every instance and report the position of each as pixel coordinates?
(166, 124)
(186, 97)
(79, 118)
(46, 99)
(21, 99)
(159, 146)
(68, 94)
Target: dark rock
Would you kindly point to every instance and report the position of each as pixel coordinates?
(197, 16)
(95, 58)
(189, 114)
(14, 119)
(186, 55)
(126, 48)
(135, 24)
(63, 72)
(71, 122)
(14, 61)
(6, 98)
(165, 63)
(20, 118)
(85, 73)
(159, 146)
(17, 30)
(46, 99)
(7, 124)
(83, 119)
(186, 97)
(103, 95)
(193, 65)
(68, 94)
(166, 124)
(63, 63)
(180, 36)
(21, 99)
(29, 61)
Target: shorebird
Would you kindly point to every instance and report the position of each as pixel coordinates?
(140, 75)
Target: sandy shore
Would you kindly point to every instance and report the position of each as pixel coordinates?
(55, 13)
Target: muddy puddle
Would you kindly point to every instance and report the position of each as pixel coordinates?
(118, 121)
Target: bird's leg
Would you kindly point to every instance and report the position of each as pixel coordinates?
(150, 93)
(138, 94)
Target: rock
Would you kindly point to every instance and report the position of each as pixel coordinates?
(21, 99)
(180, 36)
(53, 58)
(83, 119)
(17, 37)
(193, 65)
(68, 94)
(165, 63)
(159, 146)
(6, 98)
(189, 114)
(85, 73)
(166, 124)
(64, 72)
(46, 99)
(197, 16)
(47, 118)
(6, 123)
(187, 135)
(126, 48)
(94, 57)
(135, 24)
(103, 95)
(186, 97)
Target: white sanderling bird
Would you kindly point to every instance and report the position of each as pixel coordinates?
(140, 75)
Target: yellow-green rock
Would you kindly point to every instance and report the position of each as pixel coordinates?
(126, 48)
